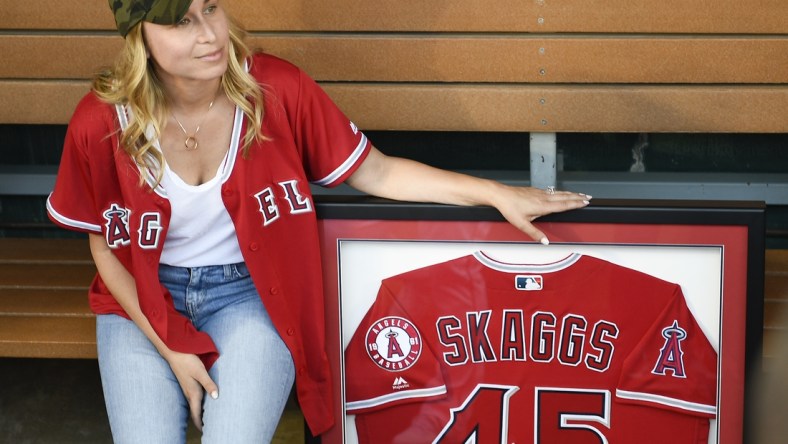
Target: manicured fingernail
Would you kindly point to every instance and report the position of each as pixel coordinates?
(214, 394)
(544, 241)
(586, 202)
(588, 196)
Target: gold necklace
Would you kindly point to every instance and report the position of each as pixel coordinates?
(191, 140)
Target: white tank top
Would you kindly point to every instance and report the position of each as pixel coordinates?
(201, 232)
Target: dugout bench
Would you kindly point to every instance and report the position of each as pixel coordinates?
(536, 66)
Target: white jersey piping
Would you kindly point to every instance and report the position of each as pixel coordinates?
(346, 165)
(489, 262)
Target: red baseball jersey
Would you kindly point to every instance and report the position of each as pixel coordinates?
(577, 351)
(267, 195)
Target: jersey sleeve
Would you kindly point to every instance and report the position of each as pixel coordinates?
(332, 147)
(71, 204)
(674, 366)
(387, 361)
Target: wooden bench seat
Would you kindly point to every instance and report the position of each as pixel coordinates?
(45, 301)
(44, 309)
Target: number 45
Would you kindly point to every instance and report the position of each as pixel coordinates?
(560, 415)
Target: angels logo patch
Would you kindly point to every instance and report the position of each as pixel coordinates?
(393, 343)
(671, 357)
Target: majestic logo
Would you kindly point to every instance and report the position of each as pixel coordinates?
(528, 283)
(393, 343)
(671, 357)
(400, 383)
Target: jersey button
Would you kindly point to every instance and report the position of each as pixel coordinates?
(301, 371)
(291, 332)
(274, 290)
(227, 192)
(253, 246)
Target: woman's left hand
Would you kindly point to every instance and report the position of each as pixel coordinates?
(521, 205)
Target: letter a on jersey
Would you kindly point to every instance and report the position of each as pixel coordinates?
(117, 226)
(671, 357)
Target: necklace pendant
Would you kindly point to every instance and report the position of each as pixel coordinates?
(191, 143)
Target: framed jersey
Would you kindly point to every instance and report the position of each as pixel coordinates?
(640, 322)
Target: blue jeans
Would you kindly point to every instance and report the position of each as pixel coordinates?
(254, 371)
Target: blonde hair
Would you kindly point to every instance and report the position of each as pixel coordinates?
(132, 81)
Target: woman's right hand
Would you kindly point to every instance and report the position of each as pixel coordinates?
(194, 381)
(188, 369)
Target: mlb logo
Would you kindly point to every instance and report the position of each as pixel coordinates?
(528, 283)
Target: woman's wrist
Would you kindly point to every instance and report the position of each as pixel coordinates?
(497, 194)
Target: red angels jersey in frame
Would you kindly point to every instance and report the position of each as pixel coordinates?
(713, 250)
(580, 350)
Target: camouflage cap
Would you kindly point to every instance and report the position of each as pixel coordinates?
(162, 12)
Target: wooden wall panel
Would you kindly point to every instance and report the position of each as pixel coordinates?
(56, 56)
(463, 107)
(550, 108)
(505, 65)
(392, 58)
(61, 14)
(40, 102)
(535, 60)
(595, 16)
(533, 16)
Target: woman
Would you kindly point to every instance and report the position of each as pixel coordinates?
(188, 165)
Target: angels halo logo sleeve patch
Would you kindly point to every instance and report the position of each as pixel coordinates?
(588, 352)
(393, 343)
